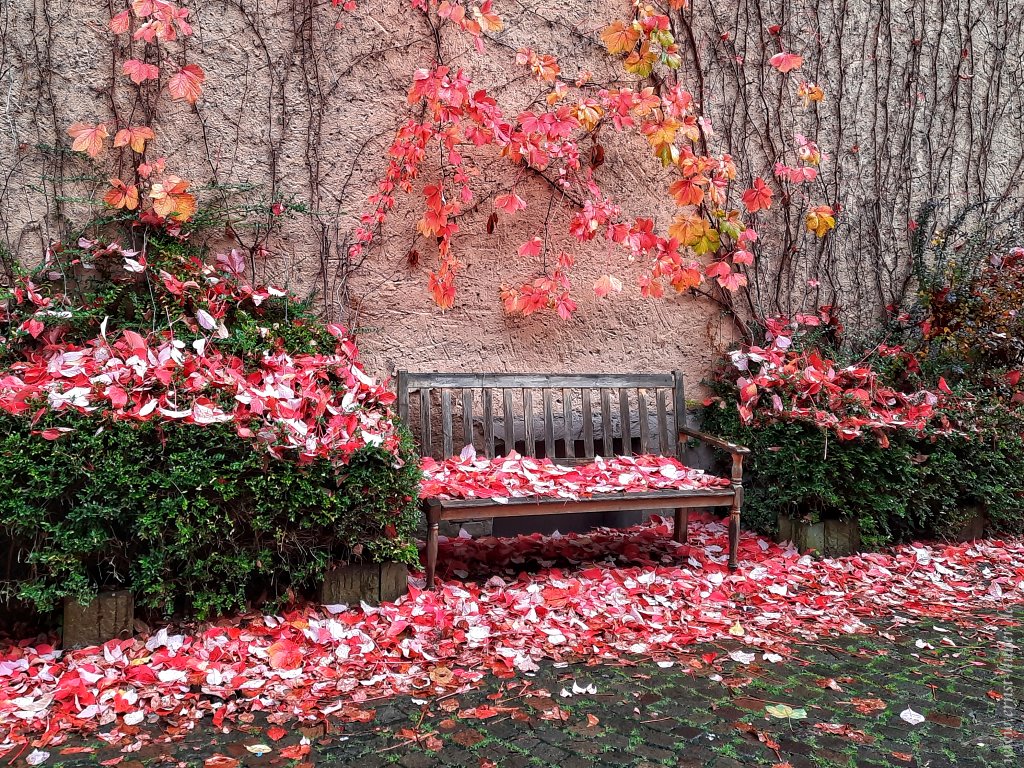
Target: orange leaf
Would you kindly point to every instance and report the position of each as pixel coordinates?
(134, 136)
(687, 191)
(284, 654)
(187, 84)
(171, 199)
(140, 71)
(619, 38)
(88, 138)
(120, 195)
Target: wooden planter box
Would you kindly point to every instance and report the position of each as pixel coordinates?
(110, 616)
(371, 583)
(974, 528)
(828, 537)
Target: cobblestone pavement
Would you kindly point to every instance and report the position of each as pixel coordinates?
(841, 702)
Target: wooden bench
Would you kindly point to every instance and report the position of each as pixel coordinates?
(446, 404)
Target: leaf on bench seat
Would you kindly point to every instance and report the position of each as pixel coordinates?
(469, 476)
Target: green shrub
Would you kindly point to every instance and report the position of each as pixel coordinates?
(917, 487)
(191, 519)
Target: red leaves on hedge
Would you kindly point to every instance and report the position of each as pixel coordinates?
(778, 382)
(306, 406)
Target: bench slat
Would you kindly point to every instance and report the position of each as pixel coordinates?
(606, 423)
(549, 423)
(626, 427)
(645, 428)
(508, 433)
(570, 447)
(446, 423)
(403, 396)
(467, 417)
(425, 445)
(680, 416)
(470, 509)
(539, 380)
(488, 406)
(663, 431)
(531, 442)
(588, 422)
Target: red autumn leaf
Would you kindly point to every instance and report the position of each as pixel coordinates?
(33, 326)
(55, 433)
(140, 71)
(276, 733)
(220, 761)
(120, 23)
(88, 138)
(758, 197)
(846, 731)
(868, 706)
(531, 248)
(294, 752)
(187, 84)
(722, 271)
(483, 712)
(509, 203)
(786, 62)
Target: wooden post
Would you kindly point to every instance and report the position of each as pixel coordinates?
(372, 583)
(682, 527)
(734, 512)
(433, 519)
(111, 615)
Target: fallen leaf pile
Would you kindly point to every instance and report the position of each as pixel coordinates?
(514, 476)
(609, 595)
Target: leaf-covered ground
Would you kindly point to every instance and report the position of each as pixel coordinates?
(570, 651)
(839, 703)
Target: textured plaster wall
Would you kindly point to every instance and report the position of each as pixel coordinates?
(296, 108)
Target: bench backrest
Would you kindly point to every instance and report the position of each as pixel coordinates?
(563, 416)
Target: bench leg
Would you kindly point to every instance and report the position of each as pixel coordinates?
(433, 518)
(682, 526)
(734, 511)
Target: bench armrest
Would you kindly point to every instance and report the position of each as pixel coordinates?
(725, 445)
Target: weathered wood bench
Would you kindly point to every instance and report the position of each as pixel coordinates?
(579, 397)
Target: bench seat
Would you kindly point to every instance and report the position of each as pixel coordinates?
(583, 432)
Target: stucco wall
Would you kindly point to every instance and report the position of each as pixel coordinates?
(923, 102)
